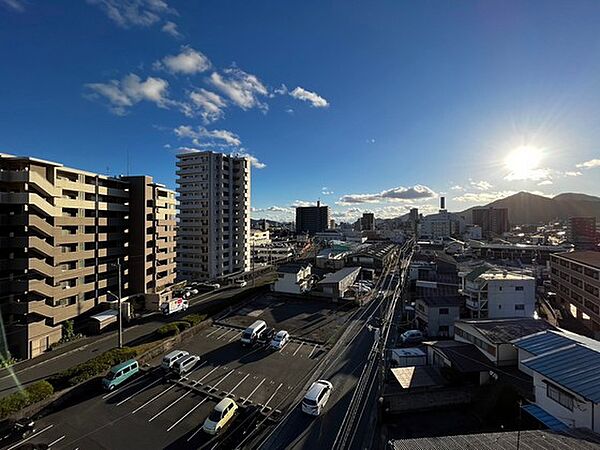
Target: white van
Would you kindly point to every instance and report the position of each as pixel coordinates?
(185, 364)
(251, 333)
(316, 397)
(172, 357)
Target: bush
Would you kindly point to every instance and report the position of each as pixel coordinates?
(181, 326)
(170, 329)
(195, 319)
(34, 393)
(91, 368)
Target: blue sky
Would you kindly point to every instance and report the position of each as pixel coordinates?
(369, 106)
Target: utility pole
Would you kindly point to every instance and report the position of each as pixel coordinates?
(118, 297)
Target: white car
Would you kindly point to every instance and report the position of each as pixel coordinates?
(412, 337)
(279, 340)
(316, 397)
(194, 291)
(241, 283)
(185, 364)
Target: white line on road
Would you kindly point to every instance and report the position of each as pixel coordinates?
(195, 433)
(116, 391)
(186, 414)
(167, 407)
(56, 441)
(222, 379)
(301, 343)
(136, 393)
(313, 350)
(224, 334)
(272, 395)
(30, 437)
(213, 332)
(255, 389)
(152, 399)
(198, 381)
(237, 385)
(235, 337)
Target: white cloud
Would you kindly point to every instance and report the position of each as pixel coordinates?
(482, 197)
(289, 111)
(592, 163)
(211, 105)
(532, 174)
(188, 62)
(171, 29)
(127, 13)
(545, 183)
(326, 191)
(313, 98)
(457, 187)
(131, 90)
(14, 5)
(200, 133)
(241, 88)
(300, 203)
(395, 194)
(370, 141)
(480, 185)
(574, 173)
(253, 160)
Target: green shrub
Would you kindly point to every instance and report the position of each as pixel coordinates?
(195, 319)
(170, 329)
(34, 393)
(183, 325)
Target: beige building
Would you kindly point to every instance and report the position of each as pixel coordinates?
(151, 240)
(60, 231)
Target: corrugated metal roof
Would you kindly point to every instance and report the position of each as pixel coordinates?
(545, 417)
(549, 340)
(576, 367)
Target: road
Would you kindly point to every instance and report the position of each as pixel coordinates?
(30, 371)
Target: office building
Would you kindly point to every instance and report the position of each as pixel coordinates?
(442, 225)
(575, 277)
(151, 240)
(493, 221)
(312, 219)
(61, 231)
(213, 238)
(368, 222)
(581, 232)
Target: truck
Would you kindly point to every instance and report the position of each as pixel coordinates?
(173, 306)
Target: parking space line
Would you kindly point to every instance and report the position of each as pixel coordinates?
(271, 397)
(116, 391)
(30, 437)
(255, 389)
(237, 385)
(136, 393)
(312, 351)
(299, 347)
(152, 399)
(187, 414)
(56, 441)
(213, 332)
(222, 379)
(235, 337)
(171, 404)
(224, 334)
(198, 381)
(195, 433)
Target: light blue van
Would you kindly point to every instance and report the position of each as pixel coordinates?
(119, 374)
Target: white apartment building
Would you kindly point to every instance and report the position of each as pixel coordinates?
(496, 294)
(213, 238)
(293, 278)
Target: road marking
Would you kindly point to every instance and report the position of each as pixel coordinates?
(222, 379)
(313, 350)
(198, 381)
(136, 393)
(235, 337)
(271, 397)
(30, 437)
(56, 441)
(237, 385)
(301, 343)
(195, 433)
(224, 334)
(213, 332)
(152, 399)
(255, 389)
(186, 414)
(167, 407)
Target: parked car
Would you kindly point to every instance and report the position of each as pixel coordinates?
(251, 334)
(194, 291)
(185, 364)
(316, 397)
(214, 285)
(223, 413)
(172, 357)
(412, 337)
(241, 283)
(14, 431)
(266, 335)
(120, 373)
(280, 339)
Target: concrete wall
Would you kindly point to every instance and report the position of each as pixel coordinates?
(502, 298)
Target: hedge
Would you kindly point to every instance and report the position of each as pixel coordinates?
(194, 319)
(170, 329)
(98, 365)
(34, 393)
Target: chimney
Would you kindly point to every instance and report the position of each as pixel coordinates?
(318, 203)
(442, 202)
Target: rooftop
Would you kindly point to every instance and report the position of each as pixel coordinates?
(340, 275)
(440, 301)
(549, 340)
(291, 268)
(465, 358)
(588, 257)
(500, 331)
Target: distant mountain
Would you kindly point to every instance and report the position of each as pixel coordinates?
(525, 207)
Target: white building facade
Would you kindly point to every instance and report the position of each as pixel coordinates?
(293, 279)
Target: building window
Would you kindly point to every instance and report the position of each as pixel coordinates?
(559, 396)
(518, 288)
(519, 307)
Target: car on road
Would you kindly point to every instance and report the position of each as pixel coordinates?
(316, 397)
(412, 337)
(214, 285)
(120, 373)
(172, 357)
(194, 291)
(13, 431)
(241, 283)
(252, 333)
(279, 340)
(185, 364)
(220, 416)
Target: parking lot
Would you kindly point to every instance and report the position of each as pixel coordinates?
(153, 411)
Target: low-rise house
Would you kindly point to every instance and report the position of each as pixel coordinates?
(376, 256)
(436, 315)
(293, 278)
(465, 360)
(335, 285)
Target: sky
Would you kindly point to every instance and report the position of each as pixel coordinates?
(374, 106)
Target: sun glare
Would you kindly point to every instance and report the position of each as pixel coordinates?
(523, 163)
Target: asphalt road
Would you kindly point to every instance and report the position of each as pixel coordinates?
(30, 371)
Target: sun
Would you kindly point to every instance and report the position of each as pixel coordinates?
(523, 163)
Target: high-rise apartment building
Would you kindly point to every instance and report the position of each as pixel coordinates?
(151, 239)
(575, 277)
(312, 219)
(493, 221)
(61, 231)
(213, 238)
(581, 232)
(367, 222)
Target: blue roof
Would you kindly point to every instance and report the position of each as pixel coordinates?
(543, 342)
(547, 419)
(575, 367)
